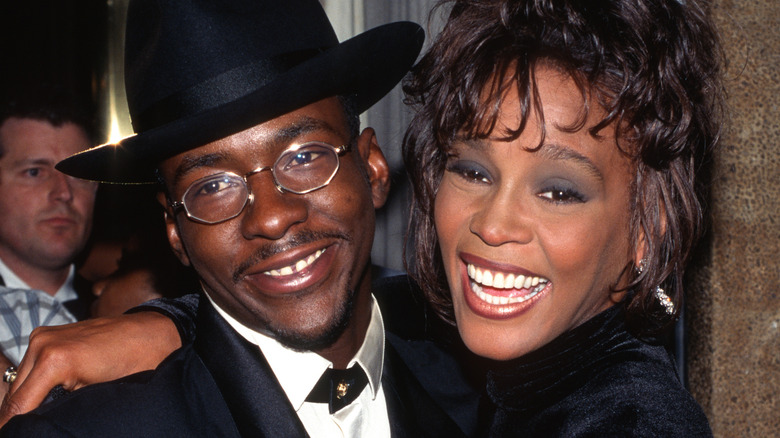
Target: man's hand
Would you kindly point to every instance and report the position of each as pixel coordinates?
(87, 352)
(4, 364)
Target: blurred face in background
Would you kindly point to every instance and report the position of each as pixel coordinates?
(45, 215)
(122, 291)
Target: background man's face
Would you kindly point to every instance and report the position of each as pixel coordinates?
(45, 215)
(290, 265)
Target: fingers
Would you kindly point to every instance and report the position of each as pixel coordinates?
(14, 402)
(86, 352)
(44, 366)
(25, 399)
(32, 382)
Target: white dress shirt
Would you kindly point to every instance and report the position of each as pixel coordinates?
(23, 309)
(298, 372)
(66, 292)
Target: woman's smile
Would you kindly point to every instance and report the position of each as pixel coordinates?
(499, 291)
(533, 230)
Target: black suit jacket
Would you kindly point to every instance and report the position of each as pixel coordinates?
(221, 385)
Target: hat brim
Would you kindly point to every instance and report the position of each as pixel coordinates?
(365, 67)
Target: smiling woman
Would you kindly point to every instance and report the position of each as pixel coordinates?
(555, 157)
(555, 216)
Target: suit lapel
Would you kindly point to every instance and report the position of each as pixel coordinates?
(81, 307)
(411, 410)
(256, 400)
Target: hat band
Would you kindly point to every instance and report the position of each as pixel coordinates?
(219, 90)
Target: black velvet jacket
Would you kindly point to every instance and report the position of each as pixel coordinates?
(594, 381)
(220, 385)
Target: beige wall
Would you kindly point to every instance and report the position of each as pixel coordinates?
(734, 307)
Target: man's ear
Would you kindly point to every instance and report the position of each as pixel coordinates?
(172, 230)
(376, 166)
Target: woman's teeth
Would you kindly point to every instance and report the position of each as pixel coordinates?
(500, 280)
(295, 267)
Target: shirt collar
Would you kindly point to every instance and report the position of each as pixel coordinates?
(299, 371)
(66, 292)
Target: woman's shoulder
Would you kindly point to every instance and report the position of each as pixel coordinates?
(637, 393)
(625, 387)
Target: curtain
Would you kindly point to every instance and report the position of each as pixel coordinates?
(389, 117)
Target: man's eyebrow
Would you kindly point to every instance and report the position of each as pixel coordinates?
(286, 135)
(34, 161)
(554, 151)
(189, 163)
(301, 126)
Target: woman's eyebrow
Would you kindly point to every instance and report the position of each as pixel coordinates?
(477, 144)
(550, 151)
(555, 151)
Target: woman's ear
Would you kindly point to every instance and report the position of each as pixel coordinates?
(642, 245)
(376, 166)
(640, 251)
(172, 230)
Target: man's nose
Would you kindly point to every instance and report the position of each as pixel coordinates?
(61, 187)
(271, 212)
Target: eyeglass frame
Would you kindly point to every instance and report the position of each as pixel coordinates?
(177, 206)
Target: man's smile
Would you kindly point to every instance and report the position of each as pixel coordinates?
(297, 267)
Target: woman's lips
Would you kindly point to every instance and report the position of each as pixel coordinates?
(499, 291)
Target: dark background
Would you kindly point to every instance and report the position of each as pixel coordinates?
(55, 41)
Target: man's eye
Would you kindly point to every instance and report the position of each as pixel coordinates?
(33, 172)
(302, 158)
(215, 186)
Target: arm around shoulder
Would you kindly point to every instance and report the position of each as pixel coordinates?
(87, 352)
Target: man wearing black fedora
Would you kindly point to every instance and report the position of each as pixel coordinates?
(246, 113)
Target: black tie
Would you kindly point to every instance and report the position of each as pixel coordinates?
(338, 388)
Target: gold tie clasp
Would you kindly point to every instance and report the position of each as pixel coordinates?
(341, 389)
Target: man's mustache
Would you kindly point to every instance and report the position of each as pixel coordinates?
(269, 250)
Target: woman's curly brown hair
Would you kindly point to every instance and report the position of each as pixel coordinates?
(653, 65)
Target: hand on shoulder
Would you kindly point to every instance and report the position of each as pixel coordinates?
(87, 352)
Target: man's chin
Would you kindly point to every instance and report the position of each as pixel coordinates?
(318, 338)
(308, 342)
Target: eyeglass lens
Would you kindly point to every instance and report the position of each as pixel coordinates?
(222, 196)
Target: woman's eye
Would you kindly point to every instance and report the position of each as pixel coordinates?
(561, 195)
(469, 171)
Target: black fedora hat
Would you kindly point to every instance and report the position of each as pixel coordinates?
(200, 70)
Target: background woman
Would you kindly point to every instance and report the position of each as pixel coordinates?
(556, 156)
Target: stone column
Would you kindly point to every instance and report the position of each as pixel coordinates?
(733, 307)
